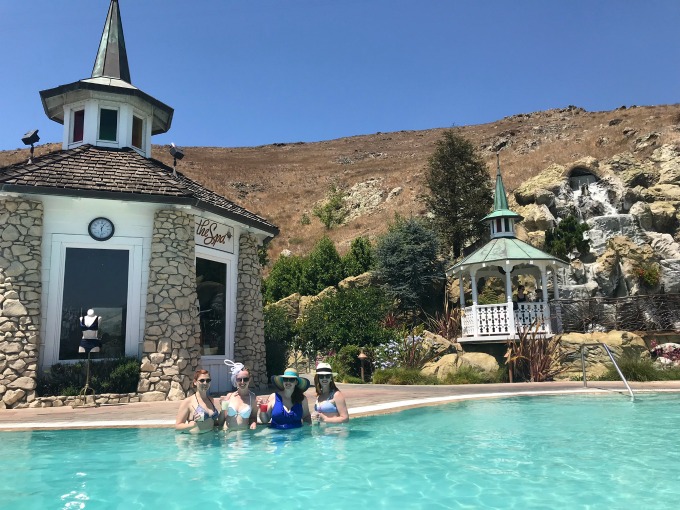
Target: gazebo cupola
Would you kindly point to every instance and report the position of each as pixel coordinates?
(106, 110)
(502, 219)
(505, 257)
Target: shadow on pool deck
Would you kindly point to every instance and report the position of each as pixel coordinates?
(362, 400)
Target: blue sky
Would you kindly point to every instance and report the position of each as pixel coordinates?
(253, 72)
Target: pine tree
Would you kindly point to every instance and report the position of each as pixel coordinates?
(460, 191)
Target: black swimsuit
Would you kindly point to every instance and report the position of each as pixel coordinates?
(89, 343)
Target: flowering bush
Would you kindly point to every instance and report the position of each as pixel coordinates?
(409, 351)
(648, 274)
(666, 354)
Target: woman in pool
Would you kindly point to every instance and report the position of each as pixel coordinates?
(237, 407)
(198, 413)
(287, 408)
(330, 404)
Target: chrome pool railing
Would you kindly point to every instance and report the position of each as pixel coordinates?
(611, 357)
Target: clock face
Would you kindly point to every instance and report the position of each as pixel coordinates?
(101, 229)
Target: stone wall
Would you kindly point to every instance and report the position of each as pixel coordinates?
(171, 350)
(249, 346)
(20, 288)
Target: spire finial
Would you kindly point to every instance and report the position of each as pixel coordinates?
(112, 60)
(498, 163)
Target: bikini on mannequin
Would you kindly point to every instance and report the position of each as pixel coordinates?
(89, 324)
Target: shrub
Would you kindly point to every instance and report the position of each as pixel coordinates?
(279, 333)
(323, 268)
(407, 262)
(649, 274)
(359, 258)
(468, 374)
(568, 235)
(535, 358)
(402, 376)
(284, 278)
(352, 380)
(347, 363)
(633, 368)
(406, 350)
(106, 376)
(446, 323)
(332, 211)
(348, 317)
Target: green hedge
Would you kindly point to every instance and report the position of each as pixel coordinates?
(106, 376)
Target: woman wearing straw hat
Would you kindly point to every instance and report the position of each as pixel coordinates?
(330, 404)
(237, 407)
(287, 407)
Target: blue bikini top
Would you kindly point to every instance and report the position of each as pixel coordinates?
(244, 413)
(327, 406)
(199, 409)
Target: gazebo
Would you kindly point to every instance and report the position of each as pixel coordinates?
(505, 257)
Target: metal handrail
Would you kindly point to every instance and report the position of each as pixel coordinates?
(611, 357)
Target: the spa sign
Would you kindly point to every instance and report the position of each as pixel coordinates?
(214, 235)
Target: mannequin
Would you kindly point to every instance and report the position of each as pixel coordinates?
(89, 324)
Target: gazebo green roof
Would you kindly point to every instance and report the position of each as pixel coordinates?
(502, 249)
(505, 247)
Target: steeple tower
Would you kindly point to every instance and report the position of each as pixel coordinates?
(112, 60)
(502, 219)
(106, 110)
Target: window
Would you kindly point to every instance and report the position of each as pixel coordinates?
(137, 132)
(96, 279)
(108, 125)
(211, 278)
(78, 125)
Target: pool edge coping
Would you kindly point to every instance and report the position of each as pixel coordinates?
(356, 412)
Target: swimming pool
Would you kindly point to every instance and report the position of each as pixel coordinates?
(586, 451)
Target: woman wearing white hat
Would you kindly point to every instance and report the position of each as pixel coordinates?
(237, 407)
(287, 408)
(330, 404)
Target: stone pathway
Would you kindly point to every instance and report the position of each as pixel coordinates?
(363, 400)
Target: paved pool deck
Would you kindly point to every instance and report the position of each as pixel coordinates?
(363, 400)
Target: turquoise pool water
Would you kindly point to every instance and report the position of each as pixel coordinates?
(528, 452)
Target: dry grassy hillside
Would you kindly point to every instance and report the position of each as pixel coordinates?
(283, 181)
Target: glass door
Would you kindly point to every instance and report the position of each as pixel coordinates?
(211, 285)
(97, 279)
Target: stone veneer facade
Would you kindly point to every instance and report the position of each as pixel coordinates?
(20, 293)
(249, 346)
(171, 351)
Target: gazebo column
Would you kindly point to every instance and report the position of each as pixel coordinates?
(509, 305)
(544, 284)
(475, 315)
(462, 291)
(556, 293)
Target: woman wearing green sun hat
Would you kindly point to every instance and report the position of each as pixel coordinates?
(287, 407)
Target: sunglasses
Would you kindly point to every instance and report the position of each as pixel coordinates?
(203, 381)
(290, 379)
(325, 376)
(242, 379)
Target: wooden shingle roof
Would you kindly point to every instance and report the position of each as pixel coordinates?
(119, 174)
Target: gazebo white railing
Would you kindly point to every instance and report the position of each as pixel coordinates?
(502, 320)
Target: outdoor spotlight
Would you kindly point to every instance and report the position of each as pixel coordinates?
(176, 154)
(31, 138)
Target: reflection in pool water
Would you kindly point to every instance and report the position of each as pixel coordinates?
(540, 452)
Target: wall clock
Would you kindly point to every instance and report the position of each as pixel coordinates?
(101, 229)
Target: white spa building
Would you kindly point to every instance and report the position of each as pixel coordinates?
(171, 267)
